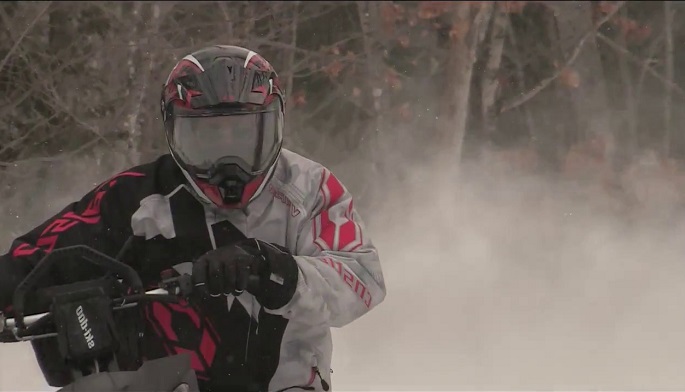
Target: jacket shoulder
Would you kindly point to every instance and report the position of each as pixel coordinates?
(155, 176)
(128, 187)
(306, 182)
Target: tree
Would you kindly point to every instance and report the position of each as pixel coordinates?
(376, 78)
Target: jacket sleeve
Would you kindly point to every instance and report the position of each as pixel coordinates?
(340, 276)
(94, 221)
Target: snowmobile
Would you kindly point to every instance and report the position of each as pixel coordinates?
(91, 327)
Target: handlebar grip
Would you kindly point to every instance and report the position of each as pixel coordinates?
(253, 283)
(124, 271)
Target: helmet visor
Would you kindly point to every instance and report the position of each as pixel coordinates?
(247, 139)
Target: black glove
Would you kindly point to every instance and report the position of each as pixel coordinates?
(225, 270)
(278, 273)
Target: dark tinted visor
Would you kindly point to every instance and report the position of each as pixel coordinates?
(248, 139)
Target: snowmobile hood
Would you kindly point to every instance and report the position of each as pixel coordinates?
(167, 374)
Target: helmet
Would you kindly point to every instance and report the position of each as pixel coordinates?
(223, 109)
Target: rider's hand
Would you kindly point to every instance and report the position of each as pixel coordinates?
(225, 270)
(278, 273)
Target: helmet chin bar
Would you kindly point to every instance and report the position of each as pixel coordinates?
(231, 181)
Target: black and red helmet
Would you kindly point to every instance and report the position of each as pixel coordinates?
(223, 109)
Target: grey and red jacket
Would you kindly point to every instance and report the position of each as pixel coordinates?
(233, 341)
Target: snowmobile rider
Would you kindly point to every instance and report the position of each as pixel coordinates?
(227, 202)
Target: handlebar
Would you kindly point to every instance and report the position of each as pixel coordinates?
(10, 323)
(89, 348)
(172, 290)
(115, 266)
(129, 288)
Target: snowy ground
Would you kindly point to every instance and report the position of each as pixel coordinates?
(492, 289)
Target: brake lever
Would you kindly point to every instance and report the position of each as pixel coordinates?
(181, 286)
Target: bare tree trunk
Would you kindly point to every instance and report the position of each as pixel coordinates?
(461, 57)
(148, 133)
(668, 96)
(530, 121)
(490, 82)
(228, 18)
(369, 19)
(290, 60)
(133, 136)
(574, 21)
(59, 27)
(628, 141)
(645, 64)
(143, 52)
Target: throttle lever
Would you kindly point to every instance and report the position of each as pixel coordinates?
(181, 285)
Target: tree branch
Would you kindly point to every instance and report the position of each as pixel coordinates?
(23, 34)
(574, 55)
(668, 83)
(54, 158)
(290, 62)
(28, 133)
